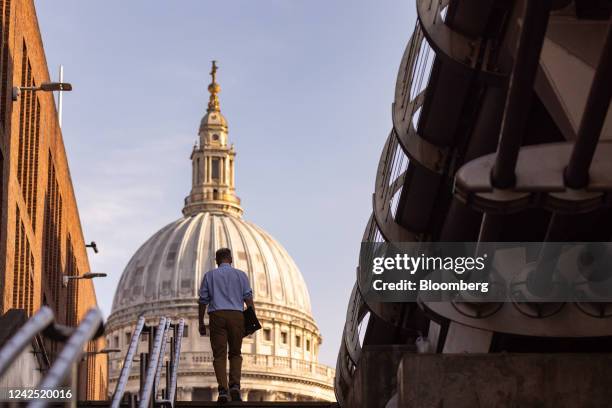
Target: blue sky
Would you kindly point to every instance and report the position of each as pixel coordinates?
(307, 87)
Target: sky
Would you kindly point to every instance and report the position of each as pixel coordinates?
(307, 87)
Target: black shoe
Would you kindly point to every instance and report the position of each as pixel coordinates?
(223, 397)
(235, 393)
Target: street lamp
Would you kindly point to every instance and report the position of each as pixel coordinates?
(45, 87)
(88, 275)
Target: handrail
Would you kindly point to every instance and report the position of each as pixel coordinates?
(162, 353)
(146, 391)
(71, 353)
(26, 334)
(171, 391)
(127, 364)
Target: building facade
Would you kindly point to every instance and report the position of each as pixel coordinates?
(41, 239)
(164, 275)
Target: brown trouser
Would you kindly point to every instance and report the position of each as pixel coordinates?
(226, 327)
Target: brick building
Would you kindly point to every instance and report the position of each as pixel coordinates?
(41, 238)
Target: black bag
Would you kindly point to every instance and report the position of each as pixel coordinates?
(251, 323)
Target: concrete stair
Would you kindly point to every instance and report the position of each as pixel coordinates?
(202, 404)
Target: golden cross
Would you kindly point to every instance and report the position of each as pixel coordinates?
(213, 72)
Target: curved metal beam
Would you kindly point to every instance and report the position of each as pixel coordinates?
(421, 151)
(387, 226)
(127, 364)
(452, 46)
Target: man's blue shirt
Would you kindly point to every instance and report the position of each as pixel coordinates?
(225, 288)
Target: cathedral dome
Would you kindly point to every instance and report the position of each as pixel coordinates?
(170, 265)
(163, 278)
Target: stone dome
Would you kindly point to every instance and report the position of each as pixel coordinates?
(170, 265)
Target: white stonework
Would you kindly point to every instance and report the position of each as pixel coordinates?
(164, 275)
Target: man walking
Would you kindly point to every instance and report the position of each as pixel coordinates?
(224, 291)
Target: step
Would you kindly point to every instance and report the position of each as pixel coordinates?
(197, 404)
(275, 404)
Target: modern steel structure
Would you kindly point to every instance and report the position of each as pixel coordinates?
(500, 132)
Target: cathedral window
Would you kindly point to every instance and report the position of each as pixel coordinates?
(171, 256)
(298, 341)
(267, 333)
(198, 171)
(216, 169)
(284, 337)
(166, 287)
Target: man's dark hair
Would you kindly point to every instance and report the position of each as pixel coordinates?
(223, 255)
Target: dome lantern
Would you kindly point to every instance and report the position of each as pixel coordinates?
(213, 184)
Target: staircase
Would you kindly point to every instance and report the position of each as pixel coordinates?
(201, 404)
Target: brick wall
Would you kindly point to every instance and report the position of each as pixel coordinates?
(40, 230)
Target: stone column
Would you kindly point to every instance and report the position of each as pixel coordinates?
(291, 340)
(226, 171)
(244, 394)
(209, 169)
(214, 393)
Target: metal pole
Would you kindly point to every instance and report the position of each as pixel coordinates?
(520, 93)
(160, 365)
(167, 377)
(595, 111)
(150, 357)
(127, 364)
(145, 393)
(177, 351)
(74, 386)
(142, 370)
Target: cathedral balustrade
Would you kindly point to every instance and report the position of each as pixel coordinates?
(193, 361)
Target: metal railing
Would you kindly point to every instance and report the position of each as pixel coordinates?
(16, 344)
(89, 328)
(153, 360)
(127, 364)
(173, 366)
(43, 322)
(151, 364)
(162, 353)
